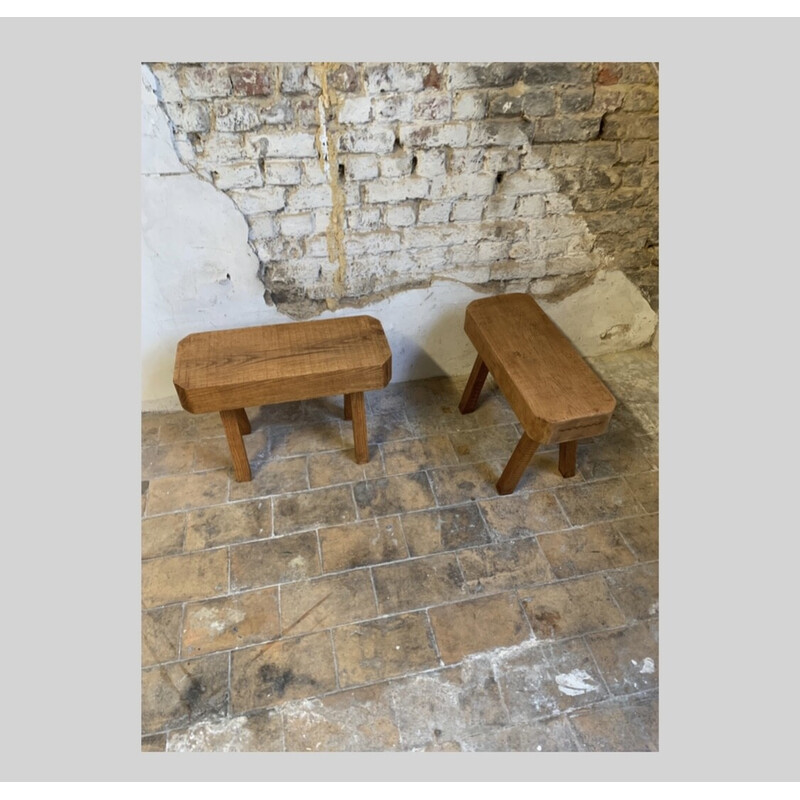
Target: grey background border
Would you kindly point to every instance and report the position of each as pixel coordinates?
(71, 262)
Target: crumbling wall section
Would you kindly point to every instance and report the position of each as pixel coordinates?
(358, 181)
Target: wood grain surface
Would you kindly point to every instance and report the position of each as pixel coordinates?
(555, 394)
(243, 367)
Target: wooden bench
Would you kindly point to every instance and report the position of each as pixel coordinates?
(228, 370)
(552, 390)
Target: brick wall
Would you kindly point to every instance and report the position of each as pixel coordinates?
(361, 180)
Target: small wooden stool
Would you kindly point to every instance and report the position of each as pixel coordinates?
(556, 396)
(226, 371)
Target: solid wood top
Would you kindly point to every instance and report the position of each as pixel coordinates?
(552, 390)
(219, 370)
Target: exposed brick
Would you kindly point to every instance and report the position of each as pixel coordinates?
(250, 81)
(361, 167)
(395, 78)
(469, 105)
(393, 107)
(396, 165)
(574, 101)
(286, 145)
(466, 76)
(296, 224)
(386, 190)
(302, 198)
(375, 140)
(567, 129)
(401, 216)
(237, 176)
(529, 182)
(434, 135)
(502, 133)
(259, 201)
(433, 106)
(203, 82)
(630, 126)
(236, 117)
(554, 73)
(299, 79)
(282, 173)
(190, 117)
(355, 111)
(344, 78)
(539, 103)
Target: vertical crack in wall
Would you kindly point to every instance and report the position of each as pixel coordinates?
(328, 155)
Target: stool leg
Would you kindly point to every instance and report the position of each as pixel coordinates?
(348, 408)
(469, 400)
(242, 421)
(359, 417)
(233, 433)
(516, 465)
(567, 456)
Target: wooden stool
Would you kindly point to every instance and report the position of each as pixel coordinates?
(226, 371)
(556, 396)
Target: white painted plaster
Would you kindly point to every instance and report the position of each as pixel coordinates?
(575, 683)
(607, 316)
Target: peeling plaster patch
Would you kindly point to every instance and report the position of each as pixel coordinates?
(587, 316)
(575, 683)
(648, 666)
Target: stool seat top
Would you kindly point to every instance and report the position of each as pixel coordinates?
(550, 387)
(240, 367)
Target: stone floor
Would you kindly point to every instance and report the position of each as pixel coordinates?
(402, 605)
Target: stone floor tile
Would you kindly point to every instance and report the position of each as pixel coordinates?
(357, 720)
(641, 535)
(440, 529)
(610, 456)
(542, 472)
(312, 605)
(171, 459)
(161, 635)
(538, 736)
(579, 551)
(413, 455)
(645, 489)
(156, 743)
(617, 727)
(163, 536)
(214, 453)
(228, 524)
(264, 417)
(151, 422)
(445, 706)
(373, 651)
(528, 684)
(577, 681)
(179, 426)
(627, 658)
(311, 437)
(228, 622)
(516, 515)
(176, 694)
(487, 444)
(598, 501)
(272, 477)
(272, 561)
(177, 579)
(461, 484)
(471, 626)
(418, 583)
(287, 669)
(260, 731)
(381, 428)
(636, 591)
(339, 466)
(503, 566)
(360, 544)
(393, 495)
(571, 608)
(316, 508)
(182, 492)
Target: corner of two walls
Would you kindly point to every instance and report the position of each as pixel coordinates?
(278, 192)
